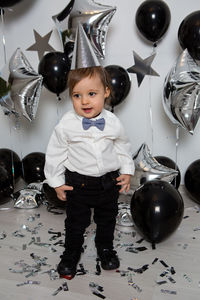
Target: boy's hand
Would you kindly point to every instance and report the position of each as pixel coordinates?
(124, 181)
(61, 191)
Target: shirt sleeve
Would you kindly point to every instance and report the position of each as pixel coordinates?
(124, 153)
(56, 155)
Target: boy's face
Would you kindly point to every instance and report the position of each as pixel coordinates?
(88, 96)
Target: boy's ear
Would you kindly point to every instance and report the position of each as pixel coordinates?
(107, 92)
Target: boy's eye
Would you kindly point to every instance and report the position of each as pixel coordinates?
(76, 95)
(92, 93)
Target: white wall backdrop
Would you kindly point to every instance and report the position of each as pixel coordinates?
(122, 39)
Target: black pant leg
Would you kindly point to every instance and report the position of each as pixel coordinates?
(105, 214)
(77, 220)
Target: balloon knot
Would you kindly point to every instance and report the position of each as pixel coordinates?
(58, 97)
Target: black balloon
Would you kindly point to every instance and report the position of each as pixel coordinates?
(189, 34)
(54, 67)
(11, 162)
(8, 3)
(192, 180)
(157, 210)
(153, 19)
(168, 162)
(6, 187)
(51, 197)
(120, 84)
(33, 167)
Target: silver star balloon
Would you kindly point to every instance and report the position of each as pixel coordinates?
(27, 198)
(94, 18)
(25, 84)
(147, 168)
(181, 93)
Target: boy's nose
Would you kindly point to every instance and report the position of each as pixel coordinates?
(84, 100)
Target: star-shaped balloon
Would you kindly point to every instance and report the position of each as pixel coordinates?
(181, 94)
(27, 198)
(41, 44)
(147, 168)
(142, 67)
(94, 18)
(26, 85)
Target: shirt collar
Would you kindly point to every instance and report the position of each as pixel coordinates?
(101, 115)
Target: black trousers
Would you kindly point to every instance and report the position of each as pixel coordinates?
(99, 193)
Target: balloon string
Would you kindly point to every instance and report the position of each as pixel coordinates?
(12, 156)
(150, 104)
(151, 114)
(18, 127)
(176, 156)
(3, 35)
(57, 110)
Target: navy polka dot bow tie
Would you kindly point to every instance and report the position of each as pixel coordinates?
(87, 123)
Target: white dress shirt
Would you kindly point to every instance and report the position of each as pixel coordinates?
(89, 152)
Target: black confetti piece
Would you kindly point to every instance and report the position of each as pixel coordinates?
(163, 263)
(140, 241)
(155, 260)
(98, 294)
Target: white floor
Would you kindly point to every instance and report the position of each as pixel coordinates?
(28, 258)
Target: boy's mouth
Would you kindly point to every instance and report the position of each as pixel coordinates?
(87, 110)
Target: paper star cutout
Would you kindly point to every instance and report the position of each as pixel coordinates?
(41, 44)
(142, 67)
(94, 18)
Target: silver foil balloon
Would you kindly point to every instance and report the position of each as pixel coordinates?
(147, 168)
(124, 217)
(181, 93)
(5, 99)
(83, 54)
(94, 18)
(38, 186)
(27, 198)
(25, 84)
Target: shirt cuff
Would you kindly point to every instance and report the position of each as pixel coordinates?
(127, 169)
(56, 181)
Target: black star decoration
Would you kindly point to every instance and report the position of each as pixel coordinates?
(41, 44)
(142, 67)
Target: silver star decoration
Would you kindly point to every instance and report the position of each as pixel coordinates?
(147, 168)
(41, 44)
(94, 18)
(142, 67)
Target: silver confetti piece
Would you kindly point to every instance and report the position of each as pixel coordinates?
(168, 292)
